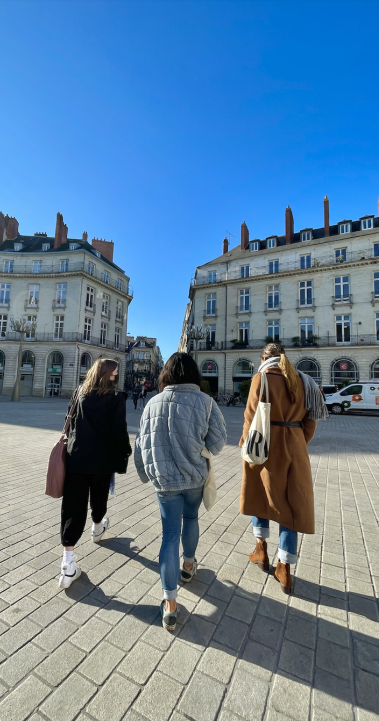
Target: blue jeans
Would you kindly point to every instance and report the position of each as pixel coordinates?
(176, 506)
(287, 539)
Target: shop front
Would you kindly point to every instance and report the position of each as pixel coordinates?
(54, 372)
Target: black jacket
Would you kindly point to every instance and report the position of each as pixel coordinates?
(98, 440)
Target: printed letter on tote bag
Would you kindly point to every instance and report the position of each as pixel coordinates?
(257, 442)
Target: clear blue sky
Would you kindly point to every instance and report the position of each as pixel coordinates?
(163, 124)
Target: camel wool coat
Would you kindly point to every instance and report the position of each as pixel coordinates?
(281, 489)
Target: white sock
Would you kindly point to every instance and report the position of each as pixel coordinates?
(68, 556)
(99, 526)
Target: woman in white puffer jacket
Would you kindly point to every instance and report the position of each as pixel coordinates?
(176, 425)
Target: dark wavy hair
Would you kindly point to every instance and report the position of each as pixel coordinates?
(180, 368)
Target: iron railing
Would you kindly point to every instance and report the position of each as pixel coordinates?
(26, 268)
(320, 342)
(66, 338)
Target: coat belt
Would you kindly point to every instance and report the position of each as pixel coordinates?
(290, 424)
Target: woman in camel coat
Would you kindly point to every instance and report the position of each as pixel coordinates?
(281, 489)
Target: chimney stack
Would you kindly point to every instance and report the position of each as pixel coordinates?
(106, 247)
(61, 231)
(8, 228)
(85, 235)
(289, 224)
(326, 216)
(244, 236)
(225, 245)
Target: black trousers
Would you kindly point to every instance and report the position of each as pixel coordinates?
(77, 488)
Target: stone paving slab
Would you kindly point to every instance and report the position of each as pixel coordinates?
(241, 650)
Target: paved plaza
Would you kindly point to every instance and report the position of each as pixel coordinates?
(242, 649)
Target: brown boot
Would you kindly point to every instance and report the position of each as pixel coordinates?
(259, 556)
(282, 574)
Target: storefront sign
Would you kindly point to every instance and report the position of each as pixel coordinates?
(344, 366)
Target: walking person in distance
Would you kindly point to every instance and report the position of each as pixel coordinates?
(176, 425)
(98, 446)
(281, 489)
(135, 394)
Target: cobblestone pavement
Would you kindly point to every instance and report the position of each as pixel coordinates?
(242, 650)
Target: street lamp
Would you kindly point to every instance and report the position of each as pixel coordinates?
(21, 326)
(196, 333)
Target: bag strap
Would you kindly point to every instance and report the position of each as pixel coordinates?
(264, 387)
(71, 411)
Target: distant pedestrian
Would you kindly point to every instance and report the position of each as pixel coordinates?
(140, 399)
(135, 394)
(144, 396)
(176, 425)
(98, 446)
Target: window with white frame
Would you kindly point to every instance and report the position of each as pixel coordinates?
(45, 246)
(343, 328)
(306, 328)
(105, 304)
(211, 304)
(90, 295)
(367, 223)
(243, 332)
(340, 255)
(306, 292)
(376, 325)
(17, 246)
(254, 245)
(273, 329)
(8, 266)
(33, 298)
(87, 328)
(31, 329)
(97, 253)
(142, 343)
(376, 285)
(146, 356)
(119, 284)
(64, 266)
(117, 337)
(306, 261)
(5, 293)
(3, 324)
(61, 294)
(376, 250)
(342, 288)
(212, 335)
(271, 243)
(212, 276)
(91, 268)
(273, 266)
(306, 235)
(345, 228)
(74, 246)
(244, 300)
(106, 276)
(37, 266)
(58, 327)
(103, 333)
(119, 310)
(273, 297)
(245, 271)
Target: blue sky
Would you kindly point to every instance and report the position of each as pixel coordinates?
(164, 124)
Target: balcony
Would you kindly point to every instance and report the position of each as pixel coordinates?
(67, 338)
(374, 298)
(345, 300)
(59, 304)
(31, 304)
(90, 308)
(26, 268)
(273, 307)
(208, 345)
(209, 316)
(317, 342)
(5, 304)
(305, 306)
(106, 313)
(243, 311)
(118, 318)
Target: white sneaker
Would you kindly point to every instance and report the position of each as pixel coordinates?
(69, 573)
(97, 534)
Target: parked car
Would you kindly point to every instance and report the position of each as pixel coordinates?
(328, 390)
(362, 396)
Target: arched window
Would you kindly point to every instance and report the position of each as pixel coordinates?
(55, 360)
(209, 368)
(344, 368)
(374, 370)
(243, 369)
(85, 362)
(28, 360)
(310, 367)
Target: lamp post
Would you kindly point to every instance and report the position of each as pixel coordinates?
(21, 326)
(196, 333)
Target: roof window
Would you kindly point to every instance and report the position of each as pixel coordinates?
(345, 227)
(74, 246)
(254, 245)
(97, 253)
(306, 235)
(17, 246)
(367, 223)
(271, 242)
(45, 246)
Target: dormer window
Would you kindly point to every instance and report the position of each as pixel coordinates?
(306, 235)
(367, 223)
(142, 344)
(45, 246)
(345, 227)
(74, 246)
(17, 246)
(271, 243)
(97, 252)
(254, 245)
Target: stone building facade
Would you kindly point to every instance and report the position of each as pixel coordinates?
(143, 361)
(78, 298)
(317, 290)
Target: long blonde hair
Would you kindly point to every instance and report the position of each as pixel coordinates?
(98, 377)
(290, 375)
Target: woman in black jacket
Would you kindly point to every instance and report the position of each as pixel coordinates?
(98, 446)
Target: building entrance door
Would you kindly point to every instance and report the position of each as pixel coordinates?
(54, 386)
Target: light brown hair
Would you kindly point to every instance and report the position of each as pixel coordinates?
(98, 377)
(292, 378)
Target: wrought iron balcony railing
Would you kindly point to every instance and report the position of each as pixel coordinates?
(26, 268)
(66, 338)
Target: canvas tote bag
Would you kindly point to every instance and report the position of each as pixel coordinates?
(210, 489)
(56, 469)
(257, 442)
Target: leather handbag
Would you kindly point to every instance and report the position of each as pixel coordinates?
(56, 469)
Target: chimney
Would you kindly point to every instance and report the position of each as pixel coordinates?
(106, 247)
(225, 246)
(61, 231)
(289, 225)
(244, 236)
(2, 228)
(85, 235)
(326, 216)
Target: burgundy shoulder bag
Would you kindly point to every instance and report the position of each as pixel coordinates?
(56, 469)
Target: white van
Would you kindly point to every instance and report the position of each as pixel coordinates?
(362, 396)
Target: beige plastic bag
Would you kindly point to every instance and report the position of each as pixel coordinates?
(210, 489)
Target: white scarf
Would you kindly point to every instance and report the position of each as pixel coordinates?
(314, 401)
